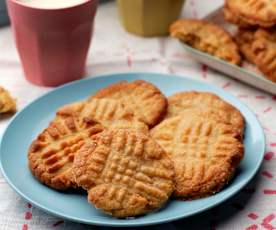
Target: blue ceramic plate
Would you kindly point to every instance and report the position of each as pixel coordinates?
(32, 119)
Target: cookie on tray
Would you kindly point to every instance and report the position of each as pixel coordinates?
(234, 18)
(255, 12)
(143, 98)
(244, 39)
(209, 103)
(264, 51)
(205, 153)
(7, 103)
(206, 37)
(125, 172)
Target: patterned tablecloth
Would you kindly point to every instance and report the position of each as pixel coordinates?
(114, 50)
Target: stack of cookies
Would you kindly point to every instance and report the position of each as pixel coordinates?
(131, 148)
(256, 38)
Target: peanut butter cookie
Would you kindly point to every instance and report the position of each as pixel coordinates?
(206, 37)
(143, 98)
(255, 12)
(209, 103)
(7, 103)
(52, 153)
(245, 39)
(108, 112)
(264, 52)
(234, 18)
(126, 173)
(205, 153)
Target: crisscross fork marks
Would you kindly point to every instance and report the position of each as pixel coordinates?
(205, 153)
(103, 109)
(123, 167)
(60, 159)
(143, 98)
(111, 114)
(51, 155)
(205, 104)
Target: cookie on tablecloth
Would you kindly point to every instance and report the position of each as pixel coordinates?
(7, 103)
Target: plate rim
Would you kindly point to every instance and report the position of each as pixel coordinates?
(147, 222)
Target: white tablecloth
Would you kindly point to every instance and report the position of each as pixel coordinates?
(114, 50)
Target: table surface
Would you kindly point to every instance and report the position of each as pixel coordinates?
(114, 50)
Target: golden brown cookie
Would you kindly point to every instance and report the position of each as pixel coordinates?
(259, 47)
(234, 18)
(205, 153)
(264, 51)
(108, 112)
(52, 153)
(255, 12)
(143, 98)
(206, 102)
(7, 103)
(125, 172)
(245, 39)
(206, 37)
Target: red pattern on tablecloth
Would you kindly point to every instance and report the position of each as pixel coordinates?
(252, 227)
(270, 191)
(253, 216)
(268, 156)
(250, 209)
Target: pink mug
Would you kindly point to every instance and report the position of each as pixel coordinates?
(52, 43)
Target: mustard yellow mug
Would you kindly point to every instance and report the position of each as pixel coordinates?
(149, 17)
